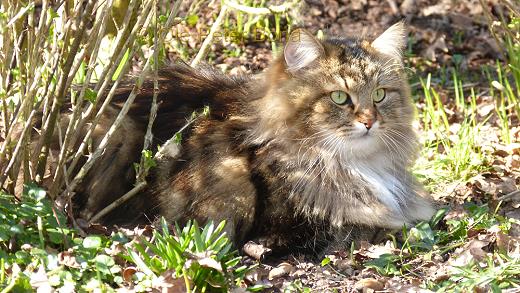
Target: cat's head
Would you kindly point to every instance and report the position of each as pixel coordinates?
(351, 96)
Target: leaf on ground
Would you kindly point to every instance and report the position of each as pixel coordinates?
(128, 273)
(167, 283)
(204, 259)
(368, 250)
(256, 251)
(471, 251)
(40, 281)
(400, 285)
(281, 270)
(369, 283)
(68, 259)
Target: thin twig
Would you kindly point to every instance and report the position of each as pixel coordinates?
(509, 196)
(209, 39)
(140, 186)
(100, 29)
(148, 138)
(14, 157)
(59, 99)
(107, 73)
(261, 10)
(141, 182)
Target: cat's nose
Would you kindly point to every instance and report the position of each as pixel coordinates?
(367, 117)
(368, 123)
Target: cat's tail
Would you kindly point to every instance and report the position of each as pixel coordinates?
(182, 90)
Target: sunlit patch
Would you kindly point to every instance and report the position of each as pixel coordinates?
(232, 166)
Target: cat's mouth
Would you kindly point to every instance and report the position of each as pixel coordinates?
(363, 132)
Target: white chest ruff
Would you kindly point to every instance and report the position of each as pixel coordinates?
(383, 184)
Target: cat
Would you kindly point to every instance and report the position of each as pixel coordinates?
(314, 151)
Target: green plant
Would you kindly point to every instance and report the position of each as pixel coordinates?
(451, 152)
(442, 237)
(39, 250)
(203, 258)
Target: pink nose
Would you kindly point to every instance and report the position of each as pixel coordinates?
(368, 122)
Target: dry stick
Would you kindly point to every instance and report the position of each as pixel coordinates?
(5, 61)
(49, 96)
(106, 102)
(57, 203)
(166, 147)
(153, 109)
(58, 100)
(159, 155)
(23, 109)
(207, 42)
(509, 195)
(141, 175)
(14, 157)
(59, 53)
(48, 92)
(29, 96)
(28, 124)
(141, 184)
(17, 112)
(261, 10)
(512, 7)
(100, 29)
(40, 32)
(123, 39)
(104, 142)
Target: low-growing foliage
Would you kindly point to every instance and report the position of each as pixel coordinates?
(37, 250)
(498, 269)
(203, 258)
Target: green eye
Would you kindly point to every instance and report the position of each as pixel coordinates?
(339, 97)
(379, 95)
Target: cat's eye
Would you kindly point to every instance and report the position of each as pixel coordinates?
(379, 95)
(339, 97)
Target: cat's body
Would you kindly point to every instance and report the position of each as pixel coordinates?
(315, 149)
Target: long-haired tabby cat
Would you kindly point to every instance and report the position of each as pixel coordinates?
(316, 148)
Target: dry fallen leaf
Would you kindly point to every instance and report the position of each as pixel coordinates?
(128, 273)
(369, 283)
(68, 259)
(40, 281)
(166, 283)
(281, 270)
(204, 259)
(256, 251)
(469, 252)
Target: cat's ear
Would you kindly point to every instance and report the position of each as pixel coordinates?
(393, 41)
(302, 50)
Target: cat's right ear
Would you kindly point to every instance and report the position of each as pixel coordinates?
(393, 41)
(302, 50)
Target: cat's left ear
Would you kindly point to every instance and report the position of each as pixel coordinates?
(302, 50)
(393, 41)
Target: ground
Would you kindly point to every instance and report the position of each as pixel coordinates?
(465, 80)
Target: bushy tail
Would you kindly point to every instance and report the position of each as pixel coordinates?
(182, 90)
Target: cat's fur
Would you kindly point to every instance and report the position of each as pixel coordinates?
(276, 157)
